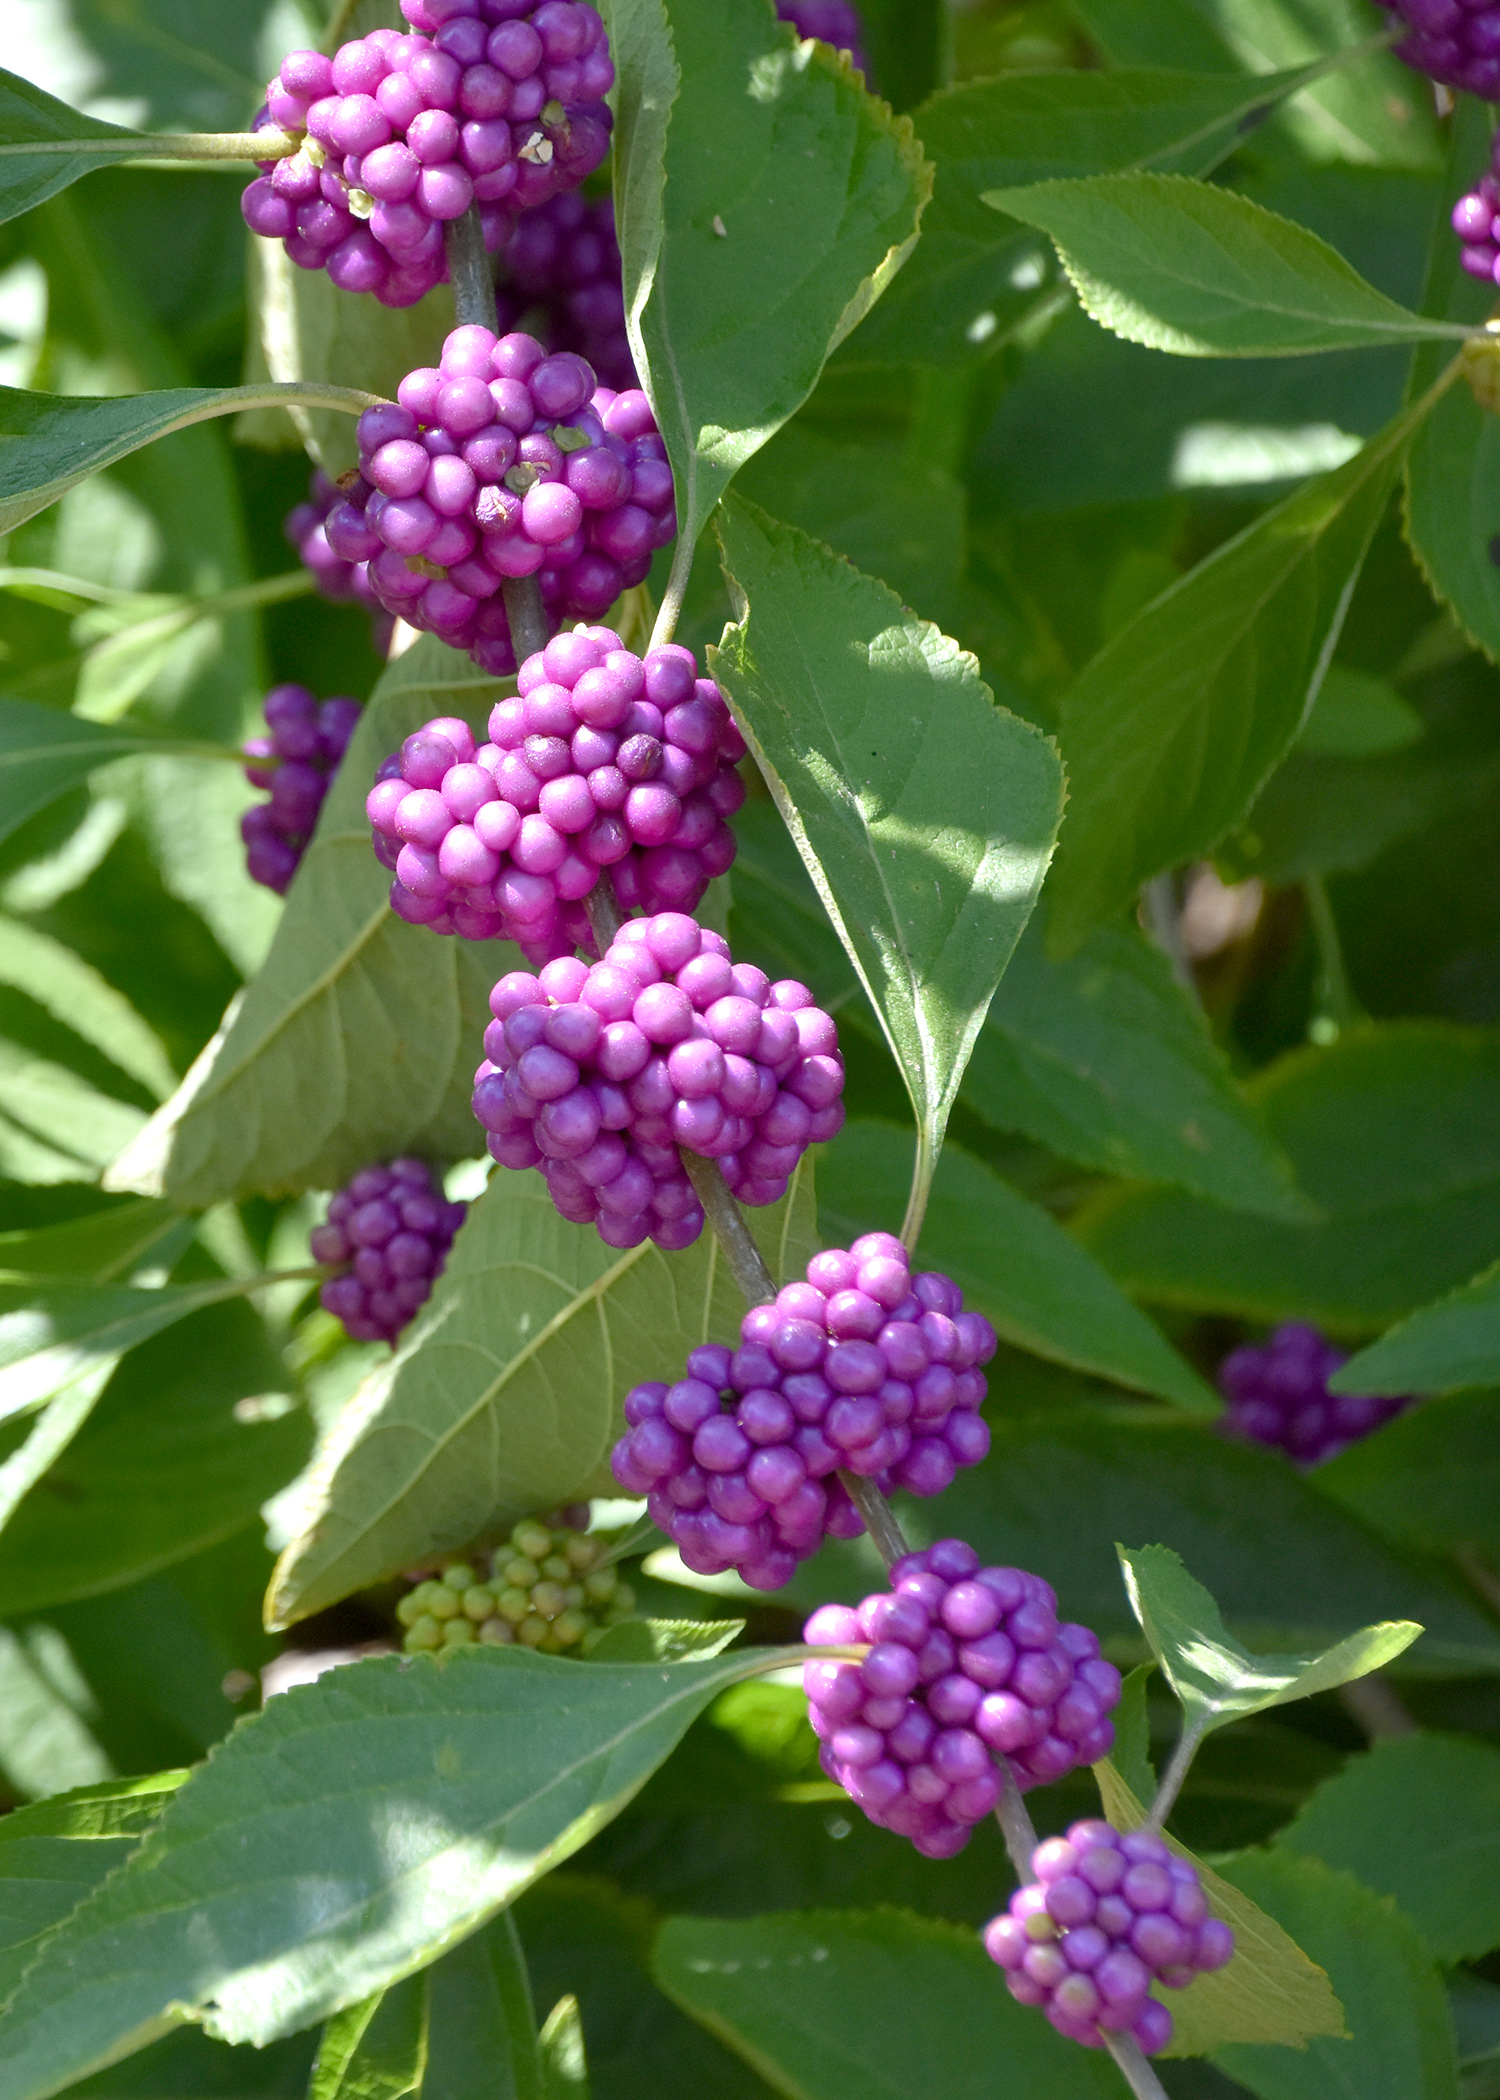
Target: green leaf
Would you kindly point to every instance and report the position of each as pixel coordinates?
(925, 814)
(1270, 1992)
(1393, 1133)
(54, 1126)
(564, 2064)
(44, 752)
(30, 118)
(318, 1069)
(1105, 1059)
(50, 442)
(1453, 477)
(49, 1336)
(967, 281)
(1418, 1819)
(1220, 1505)
(342, 1838)
(731, 328)
(1401, 2045)
(1217, 1680)
(505, 1396)
(481, 2035)
(102, 1246)
(1013, 1261)
(1357, 716)
(867, 2005)
(1430, 1480)
(1189, 268)
(376, 2050)
(47, 1744)
(1131, 1756)
(1441, 1349)
(168, 1462)
(55, 1852)
(64, 985)
(1172, 730)
(665, 1640)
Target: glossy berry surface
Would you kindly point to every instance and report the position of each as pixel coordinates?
(548, 1587)
(401, 134)
(1455, 41)
(603, 760)
(296, 760)
(502, 462)
(560, 277)
(1106, 1917)
(387, 1234)
(1476, 218)
(598, 1075)
(965, 1663)
(864, 1368)
(836, 22)
(1278, 1395)
(340, 582)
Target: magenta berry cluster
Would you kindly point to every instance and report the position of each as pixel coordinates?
(598, 1074)
(296, 762)
(564, 260)
(1456, 41)
(837, 22)
(498, 463)
(341, 582)
(1278, 1395)
(863, 1368)
(1106, 1917)
(1476, 221)
(603, 760)
(500, 106)
(388, 1235)
(965, 1664)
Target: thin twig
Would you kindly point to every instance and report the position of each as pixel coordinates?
(1134, 2068)
(526, 616)
(1016, 1826)
(880, 1518)
(746, 1262)
(1176, 1772)
(469, 268)
(1164, 918)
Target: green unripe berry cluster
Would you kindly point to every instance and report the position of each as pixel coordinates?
(547, 1588)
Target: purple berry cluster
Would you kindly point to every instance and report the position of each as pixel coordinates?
(561, 267)
(341, 582)
(1476, 221)
(837, 22)
(1278, 1394)
(1106, 1917)
(498, 463)
(1456, 41)
(863, 1368)
(603, 760)
(388, 1235)
(500, 106)
(599, 1074)
(965, 1662)
(296, 762)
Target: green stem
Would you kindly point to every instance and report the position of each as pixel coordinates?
(1335, 1007)
(172, 145)
(677, 583)
(294, 583)
(1172, 1778)
(924, 1166)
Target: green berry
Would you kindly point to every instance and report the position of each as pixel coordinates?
(581, 1552)
(513, 1605)
(624, 1599)
(531, 1539)
(424, 1632)
(601, 1585)
(547, 1600)
(520, 1573)
(459, 1577)
(556, 1567)
(479, 1604)
(410, 1609)
(458, 1633)
(569, 1628)
(532, 1631)
(442, 1602)
(497, 1633)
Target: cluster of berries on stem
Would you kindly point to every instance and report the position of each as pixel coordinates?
(498, 463)
(340, 582)
(603, 761)
(1105, 1918)
(1455, 41)
(387, 1235)
(496, 104)
(296, 761)
(1278, 1395)
(603, 1075)
(550, 1586)
(560, 276)
(863, 1369)
(965, 1663)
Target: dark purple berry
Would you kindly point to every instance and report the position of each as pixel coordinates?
(387, 1237)
(1278, 1395)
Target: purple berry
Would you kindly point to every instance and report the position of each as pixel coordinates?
(1089, 1961)
(836, 22)
(295, 762)
(1278, 1395)
(386, 1240)
(1455, 41)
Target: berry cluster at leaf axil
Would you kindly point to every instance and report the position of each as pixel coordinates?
(1106, 1917)
(387, 1234)
(1456, 41)
(296, 762)
(1278, 1395)
(560, 277)
(550, 1587)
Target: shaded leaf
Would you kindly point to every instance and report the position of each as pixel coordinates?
(816, 187)
(376, 2050)
(1416, 1818)
(1172, 730)
(44, 752)
(65, 986)
(925, 814)
(1131, 1755)
(1193, 269)
(505, 1396)
(481, 2038)
(1440, 1349)
(341, 1838)
(54, 1126)
(30, 118)
(1012, 1260)
(665, 1640)
(1217, 1680)
(1401, 2042)
(564, 2063)
(1357, 716)
(1430, 1479)
(1270, 1992)
(102, 1245)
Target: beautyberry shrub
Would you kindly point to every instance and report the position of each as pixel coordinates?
(387, 1235)
(296, 762)
(1278, 1395)
(548, 1587)
(560, 278)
